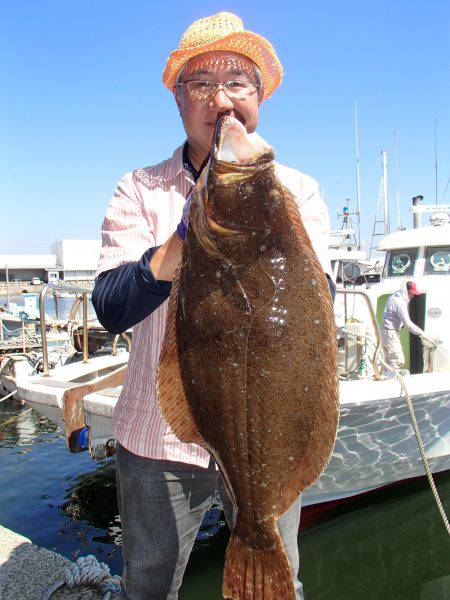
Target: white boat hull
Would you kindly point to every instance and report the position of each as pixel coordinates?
(375, 446)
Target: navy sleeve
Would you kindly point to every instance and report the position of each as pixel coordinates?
(127, 294)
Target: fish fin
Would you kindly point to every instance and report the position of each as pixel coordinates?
(169, 384)
(253, 573)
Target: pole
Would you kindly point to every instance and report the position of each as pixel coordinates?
(85, 328)
(43, 326)
(7, 288)
(397, 200)
(435, 162)
(358, 191)
(385, 192)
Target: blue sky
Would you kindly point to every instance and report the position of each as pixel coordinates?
(82, 101)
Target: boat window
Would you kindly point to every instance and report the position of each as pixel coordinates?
(400, 263)
(437, 260)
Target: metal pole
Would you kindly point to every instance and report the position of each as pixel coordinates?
(43, 329)
(56, 300)
(23, 336)
(85, 328)
(345, 325)
(7, 288)
(435, 161)
(358, 191)
(385, 192)
(399, 224)
(417, 217)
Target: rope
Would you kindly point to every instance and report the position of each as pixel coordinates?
(8, 396)
(369, 341)
(87, 571)
(422, 452)
(426, 465)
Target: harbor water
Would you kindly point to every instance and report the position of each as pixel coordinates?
(390, 545)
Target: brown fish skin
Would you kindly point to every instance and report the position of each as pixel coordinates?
(248, 367)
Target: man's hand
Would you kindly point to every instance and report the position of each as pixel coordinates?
(430, 342)
(166, 259)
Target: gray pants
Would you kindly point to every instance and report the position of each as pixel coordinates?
(392, 348)
(162, 504)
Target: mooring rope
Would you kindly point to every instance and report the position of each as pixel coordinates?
(425, 462)
(87, 571)
(8, 396)
(369, 341)
(422, 451)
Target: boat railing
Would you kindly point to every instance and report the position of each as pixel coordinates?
(82, 296)
(377, 344)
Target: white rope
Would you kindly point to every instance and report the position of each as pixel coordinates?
(425, 462)
(369, 341)
(422, 451)
(87, 571)
(8, 396)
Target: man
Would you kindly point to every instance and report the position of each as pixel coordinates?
(164, 486)
(395, 317)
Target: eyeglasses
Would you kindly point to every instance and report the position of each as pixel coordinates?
(201, 89)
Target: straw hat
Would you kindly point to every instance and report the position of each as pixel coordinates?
(225, 31)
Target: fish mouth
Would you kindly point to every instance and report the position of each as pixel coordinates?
(234, 146)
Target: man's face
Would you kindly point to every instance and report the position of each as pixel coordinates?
(200, 116)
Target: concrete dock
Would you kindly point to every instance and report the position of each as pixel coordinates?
(27, 571)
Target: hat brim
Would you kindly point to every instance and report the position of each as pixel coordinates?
(247, 43)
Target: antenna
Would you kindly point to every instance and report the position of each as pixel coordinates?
(382, 211)
(399, 224)
(358, 192)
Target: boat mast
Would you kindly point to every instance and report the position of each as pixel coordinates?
(382, 211)
(358, 191)
(435, 161)
(399, 224)
(384, 190)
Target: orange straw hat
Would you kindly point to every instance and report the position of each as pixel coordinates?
(225, 31)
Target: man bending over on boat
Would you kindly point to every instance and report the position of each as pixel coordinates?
(395, 317)
(164, 486)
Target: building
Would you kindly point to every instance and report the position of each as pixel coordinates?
(70, 260)
(77, 260)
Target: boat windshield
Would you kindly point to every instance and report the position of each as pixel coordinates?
(437, 260)
(400, 263)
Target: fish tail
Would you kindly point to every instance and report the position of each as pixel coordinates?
(257, 573)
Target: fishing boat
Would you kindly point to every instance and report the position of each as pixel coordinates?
(44, 351)
(376, 444)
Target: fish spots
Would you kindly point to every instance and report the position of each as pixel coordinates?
(291, 458)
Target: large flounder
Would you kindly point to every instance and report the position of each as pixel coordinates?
(248, 367)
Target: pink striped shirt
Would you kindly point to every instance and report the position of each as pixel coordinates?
(144, 212)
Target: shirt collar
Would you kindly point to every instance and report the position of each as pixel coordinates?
(180, 163)
(187, 164)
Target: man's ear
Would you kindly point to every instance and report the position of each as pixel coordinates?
(178, 98)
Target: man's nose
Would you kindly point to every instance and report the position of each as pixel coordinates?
(220, 100)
